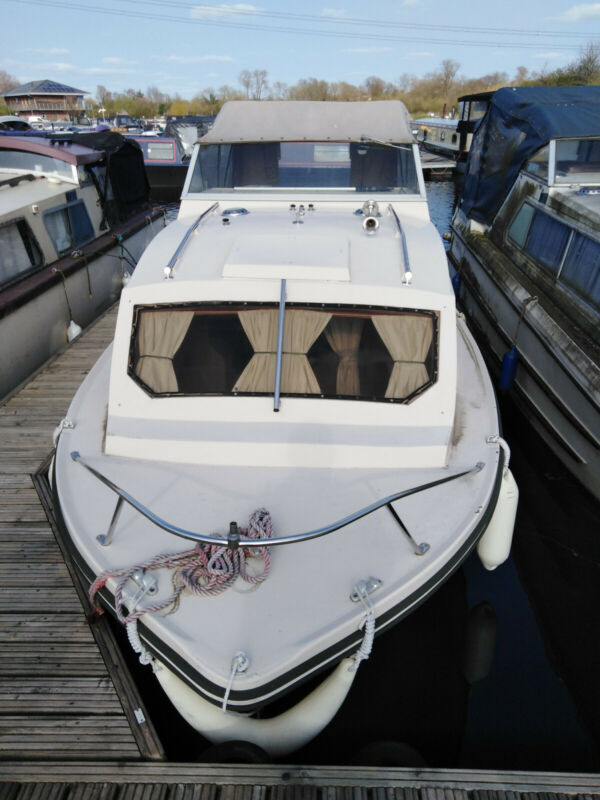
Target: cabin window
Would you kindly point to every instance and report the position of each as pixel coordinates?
(577, 161)
(581, 268)
(538, 164)
(520, 227)
(572, 257)
(338, 352)
(19, 253)
(160, 151)
(301, 165)
(69, 226)
(546, 240)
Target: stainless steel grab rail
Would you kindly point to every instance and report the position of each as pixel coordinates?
(183, 243)
(233, 541)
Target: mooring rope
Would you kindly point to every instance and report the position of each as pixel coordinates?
(205, 570)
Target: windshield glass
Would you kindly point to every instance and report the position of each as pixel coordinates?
(339, 352)
(316, 165)
(577, 161)
(21, 161)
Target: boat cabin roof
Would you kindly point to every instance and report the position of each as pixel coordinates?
(308, 120)
(68, 152)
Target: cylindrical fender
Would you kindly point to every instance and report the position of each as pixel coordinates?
(277, 736)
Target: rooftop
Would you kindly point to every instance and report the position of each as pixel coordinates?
(308, 120)
(44, 86)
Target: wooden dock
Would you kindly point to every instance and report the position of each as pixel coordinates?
(72, 725)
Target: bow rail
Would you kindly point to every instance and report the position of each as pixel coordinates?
(234, 540)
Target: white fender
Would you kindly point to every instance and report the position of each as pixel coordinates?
(277, 736)
(494, 546)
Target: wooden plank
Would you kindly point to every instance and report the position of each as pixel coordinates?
(51, 695)
(33, 575)
(64, 658)
(219, 775)
(18, 599)
(43, 628)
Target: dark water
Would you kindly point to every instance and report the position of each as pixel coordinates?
(499, 670)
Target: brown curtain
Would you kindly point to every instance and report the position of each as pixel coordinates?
(160, 334)
(301, 329)
(408, 339)
(343, 335)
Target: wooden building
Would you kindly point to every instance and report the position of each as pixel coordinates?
(48, 99)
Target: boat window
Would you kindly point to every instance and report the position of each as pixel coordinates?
(315, 165)
(463, 109)
(22, 161)
(578, 161)
(581, 268)
(19, 253)
(538, 164)
(69, 226)
(546, 240)
(478, 109)
(160, 151)
(520, 227)
(338, 352)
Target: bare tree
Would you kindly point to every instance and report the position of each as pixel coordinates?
(280, 91)
(259, 83)
(7, 81)
(245, 78)
(448, 71)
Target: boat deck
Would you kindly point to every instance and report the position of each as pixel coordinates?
(72, 725)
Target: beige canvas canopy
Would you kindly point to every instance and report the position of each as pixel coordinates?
(309, 120)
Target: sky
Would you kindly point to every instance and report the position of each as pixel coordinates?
(184, 47)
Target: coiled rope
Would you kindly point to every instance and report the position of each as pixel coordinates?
(205, 570)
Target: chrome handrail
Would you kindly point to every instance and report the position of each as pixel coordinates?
(407, 269)
(233, 541)
(180, 247)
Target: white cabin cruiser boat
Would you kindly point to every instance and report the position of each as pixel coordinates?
(74, 218)
(526, 247)
(288, 356)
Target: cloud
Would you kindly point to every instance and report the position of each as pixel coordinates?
(334, 13)
(49, 51)
(549, 55)
(116, 60)
(581, 12)
(368, 50)
(216, 12)
(108, 71)
(198, 59)
(56, 66)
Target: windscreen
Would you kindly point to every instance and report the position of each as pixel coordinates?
(354, 166)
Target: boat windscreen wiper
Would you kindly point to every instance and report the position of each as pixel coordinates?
(365, 138)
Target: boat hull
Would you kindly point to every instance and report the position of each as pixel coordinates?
(35, 313)
(549, 386)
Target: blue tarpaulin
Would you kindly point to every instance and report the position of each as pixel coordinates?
(518, 122)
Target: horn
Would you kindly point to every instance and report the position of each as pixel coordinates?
(370, 224)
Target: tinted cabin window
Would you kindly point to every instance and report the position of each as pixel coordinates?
(69, 226)
(19, 253)
(581, 268)
(337, 352)
(546, 240)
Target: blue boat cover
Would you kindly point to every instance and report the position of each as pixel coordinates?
(518, 122)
